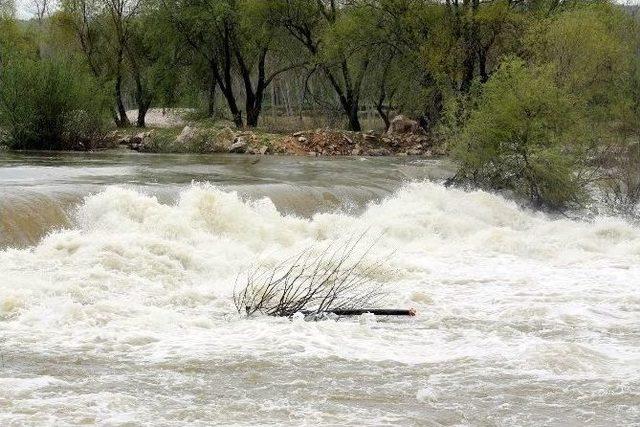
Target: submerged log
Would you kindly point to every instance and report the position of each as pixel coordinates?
(358, 312)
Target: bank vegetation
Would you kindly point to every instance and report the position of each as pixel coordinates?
(539, 98)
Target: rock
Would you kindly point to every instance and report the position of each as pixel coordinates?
(187, 134)
(356, 151)
(134, 140)
(224, 139)
(240, 146)
(137, 142)
(302, 140)
(264, 149)
(379, 152)
(300, 133)
(401, 125)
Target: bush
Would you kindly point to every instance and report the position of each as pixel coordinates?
(50, 104)
(526, 135)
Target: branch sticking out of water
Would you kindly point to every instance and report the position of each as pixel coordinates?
(315, 282)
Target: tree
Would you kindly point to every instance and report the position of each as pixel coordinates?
(103, 55)
(123, 14)
(322, 28)
(590, 49)
(231, 37)
(49, 104)
(7, 9)
(527, 135)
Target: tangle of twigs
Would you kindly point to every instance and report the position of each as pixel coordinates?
(314, 282)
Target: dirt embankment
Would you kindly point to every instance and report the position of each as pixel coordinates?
(402, 139)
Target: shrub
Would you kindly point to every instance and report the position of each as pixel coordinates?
(50, 104)
(526, 135)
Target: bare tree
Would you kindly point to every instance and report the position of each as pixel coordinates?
(40, 9)
(317, 280)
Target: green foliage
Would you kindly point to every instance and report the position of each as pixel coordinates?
(587, 46)
(527, 135)
(49, 104)
(526, 94)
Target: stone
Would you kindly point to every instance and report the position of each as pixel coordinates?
(401, 125)
(302, 140)
(300, 133)
(379, 152)
(138, 141)
(264, 149)
(240, 146)
(187, 134)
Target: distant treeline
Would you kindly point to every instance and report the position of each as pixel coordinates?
(527, 94)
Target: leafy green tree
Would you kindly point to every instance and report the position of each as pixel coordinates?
(587, 46)
(7, 9)
(49, 104)
(103, 54)
(527, 135)
(326, 30)
(233, 37)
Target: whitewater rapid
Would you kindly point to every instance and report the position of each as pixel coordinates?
(126, 317)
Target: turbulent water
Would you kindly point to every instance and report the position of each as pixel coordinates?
(117, 275)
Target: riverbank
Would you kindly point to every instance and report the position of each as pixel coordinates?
(181, 131)
(203, 139)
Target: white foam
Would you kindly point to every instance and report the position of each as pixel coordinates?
(141, 280)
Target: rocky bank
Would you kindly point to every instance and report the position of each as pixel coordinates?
(403, 138)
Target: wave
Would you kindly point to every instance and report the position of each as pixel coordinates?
(135, 273)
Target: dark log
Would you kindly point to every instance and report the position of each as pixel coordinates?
(358, 312)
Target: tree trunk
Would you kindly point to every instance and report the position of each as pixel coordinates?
(142, 98)
(225, 81)
(143, 108)
(482, 65)
(211, 101)
(254, 101)
(467, 72)
(254, 114)
(354, 121)
(233, 108)
(384, 115)
(231, 103)
(122, 119)
(470, 37)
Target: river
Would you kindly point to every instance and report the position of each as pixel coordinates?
(117, 272)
